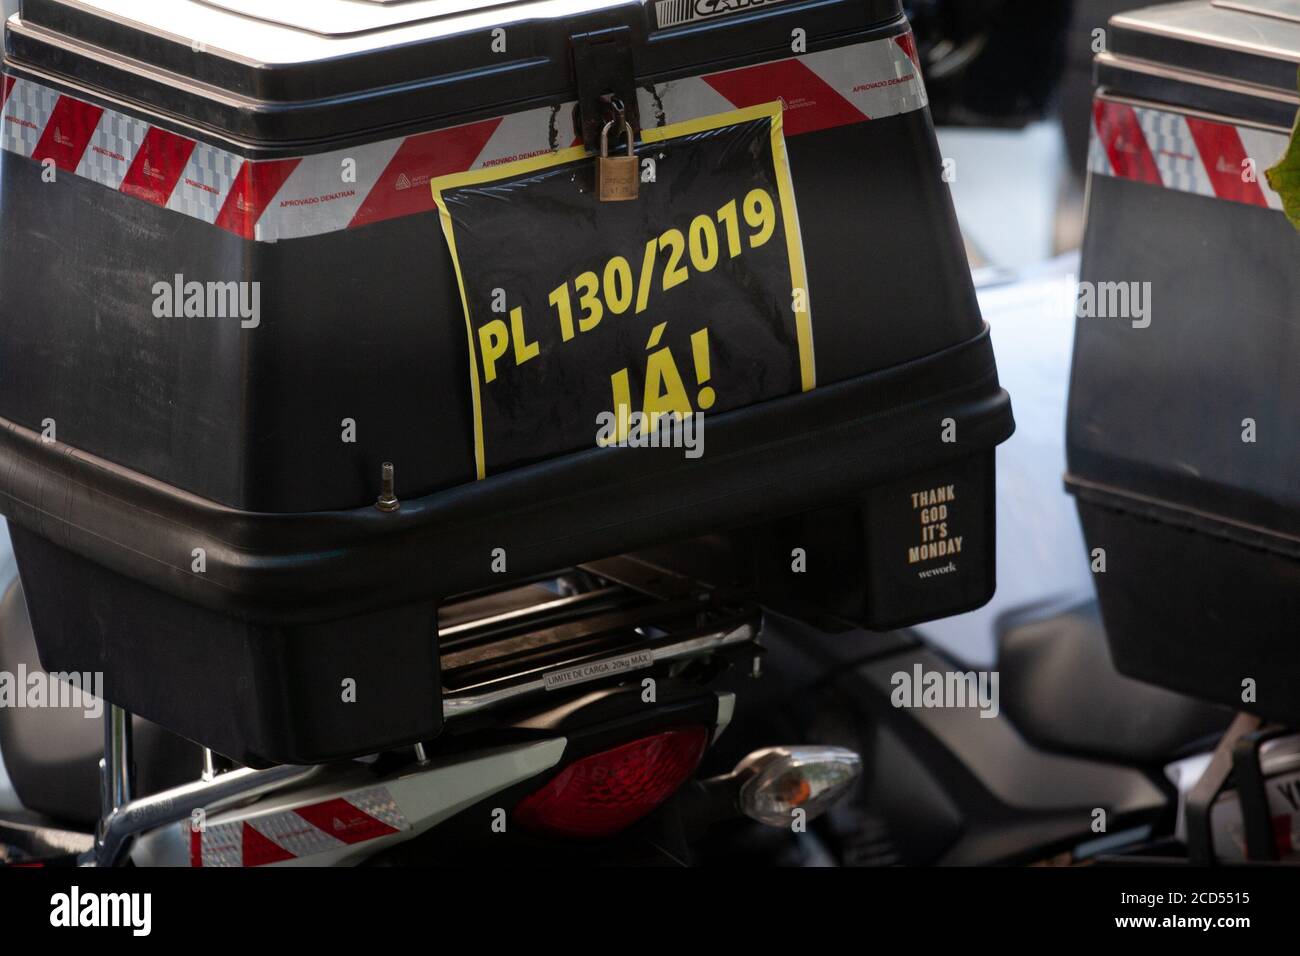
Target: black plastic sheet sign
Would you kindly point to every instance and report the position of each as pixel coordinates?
(689, 300)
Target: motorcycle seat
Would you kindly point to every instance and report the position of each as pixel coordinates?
(1060, 689)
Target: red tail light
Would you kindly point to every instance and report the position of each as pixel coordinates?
(600, 795)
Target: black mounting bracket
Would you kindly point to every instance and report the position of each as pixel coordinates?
(1200, 802)
(1248, 771)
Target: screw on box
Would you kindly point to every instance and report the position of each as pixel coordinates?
(387, 500)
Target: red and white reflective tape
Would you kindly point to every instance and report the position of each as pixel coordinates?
(1186, 152)
(281, 835)
(343, 189)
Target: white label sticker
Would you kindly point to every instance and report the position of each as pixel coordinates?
(597, 669)
(670, 13)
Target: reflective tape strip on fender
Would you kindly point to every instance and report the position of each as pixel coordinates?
(1185, 152)
(258, 840)
(290, 198)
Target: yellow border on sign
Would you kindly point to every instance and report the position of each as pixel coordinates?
(789, 214)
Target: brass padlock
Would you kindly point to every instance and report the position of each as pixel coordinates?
(617, 177)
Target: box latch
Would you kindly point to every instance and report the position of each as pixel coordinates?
(602, 64)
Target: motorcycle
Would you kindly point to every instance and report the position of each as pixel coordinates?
(335, 676)
(578, 707)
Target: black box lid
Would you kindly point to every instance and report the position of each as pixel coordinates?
(1253, 42)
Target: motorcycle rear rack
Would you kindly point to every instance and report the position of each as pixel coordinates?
(588, 626)
(1251, 755)
(634, 617)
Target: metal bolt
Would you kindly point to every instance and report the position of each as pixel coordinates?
(387, 500)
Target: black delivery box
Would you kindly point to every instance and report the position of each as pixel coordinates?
(252, 251)
(1184, 412)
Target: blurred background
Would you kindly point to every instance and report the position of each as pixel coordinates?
(1010, 83)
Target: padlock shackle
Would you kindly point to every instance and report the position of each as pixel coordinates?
(604, 138)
